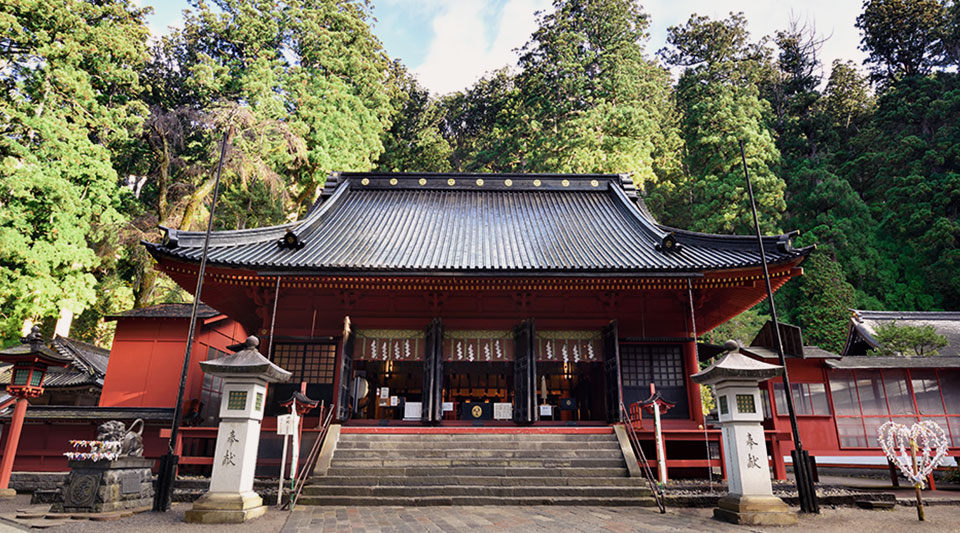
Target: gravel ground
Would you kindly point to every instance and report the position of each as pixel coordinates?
(940, 519)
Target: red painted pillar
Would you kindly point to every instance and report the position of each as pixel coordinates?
(693, 390)
(779, 467)
(10, 450)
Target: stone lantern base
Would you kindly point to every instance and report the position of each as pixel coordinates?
(754, 511)
(226, 508)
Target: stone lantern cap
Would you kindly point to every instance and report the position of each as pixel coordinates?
(735, 366)
(33, 350)
(247, 362)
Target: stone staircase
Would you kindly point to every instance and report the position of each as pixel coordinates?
(477, 469)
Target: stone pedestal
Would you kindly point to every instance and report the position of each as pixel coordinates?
(750, 499)
(754, 511)
(104, 486)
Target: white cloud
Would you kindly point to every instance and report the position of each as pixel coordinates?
(464, 48)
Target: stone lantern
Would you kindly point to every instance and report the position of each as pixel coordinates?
(245, 374)
(30, 363)
(750, 500)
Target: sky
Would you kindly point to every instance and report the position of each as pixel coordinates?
(449, 44)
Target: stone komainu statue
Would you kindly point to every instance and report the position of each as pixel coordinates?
(131, 441)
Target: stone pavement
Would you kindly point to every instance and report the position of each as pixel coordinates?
(492, 518)
(566, 519)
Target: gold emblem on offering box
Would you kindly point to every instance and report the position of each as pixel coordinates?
(477, 411)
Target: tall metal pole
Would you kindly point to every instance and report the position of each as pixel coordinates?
(168, 463)
(805, 487)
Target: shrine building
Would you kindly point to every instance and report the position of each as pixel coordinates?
(473, 299)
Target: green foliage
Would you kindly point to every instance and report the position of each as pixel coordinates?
(719, 101)
(902, 339)
(70, 83)
(903, 38)
(414, 142)
(823, 306)
(585, 100)
(742, 328)
(708, 402)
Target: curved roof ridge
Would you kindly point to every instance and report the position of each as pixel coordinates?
(781, 242)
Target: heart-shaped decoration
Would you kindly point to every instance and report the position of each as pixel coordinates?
(898, 442)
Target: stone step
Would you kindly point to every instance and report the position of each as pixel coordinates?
(484, 462)
(449, 480)
(473, 500)
(478, 454)
(531, 445)
(485, 471)
(468, 490)
(493, 437)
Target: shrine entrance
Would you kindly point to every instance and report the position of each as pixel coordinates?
(386, 375)
(520, 375)
(478, 375)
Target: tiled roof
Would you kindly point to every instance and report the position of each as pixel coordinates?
(872, 362)
(166, 311)
(476, 223)
(88, 365)
(864, 323)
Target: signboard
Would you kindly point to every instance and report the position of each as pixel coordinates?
(447, 406)
(546, 410)
(502, 411)
(412, 410)
(477, 411)
(285, 425)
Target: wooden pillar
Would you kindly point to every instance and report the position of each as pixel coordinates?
(779, 467)
(10, 449)
(693, 390)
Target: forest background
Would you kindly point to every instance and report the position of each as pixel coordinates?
(107, 133)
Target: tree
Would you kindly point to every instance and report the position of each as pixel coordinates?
(303, 83)
(822, 309)
(414, 142)
(902, 38)
(69, 74)
(906, 340)
(719, 101)
(588, 99)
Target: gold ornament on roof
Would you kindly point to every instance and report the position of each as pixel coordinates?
(423, 181)
(594, 183)
(565, 183)
(536, 183)
(451, 182)
(508, 182)
(393, 181)
(365, 181)
(480, 182)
